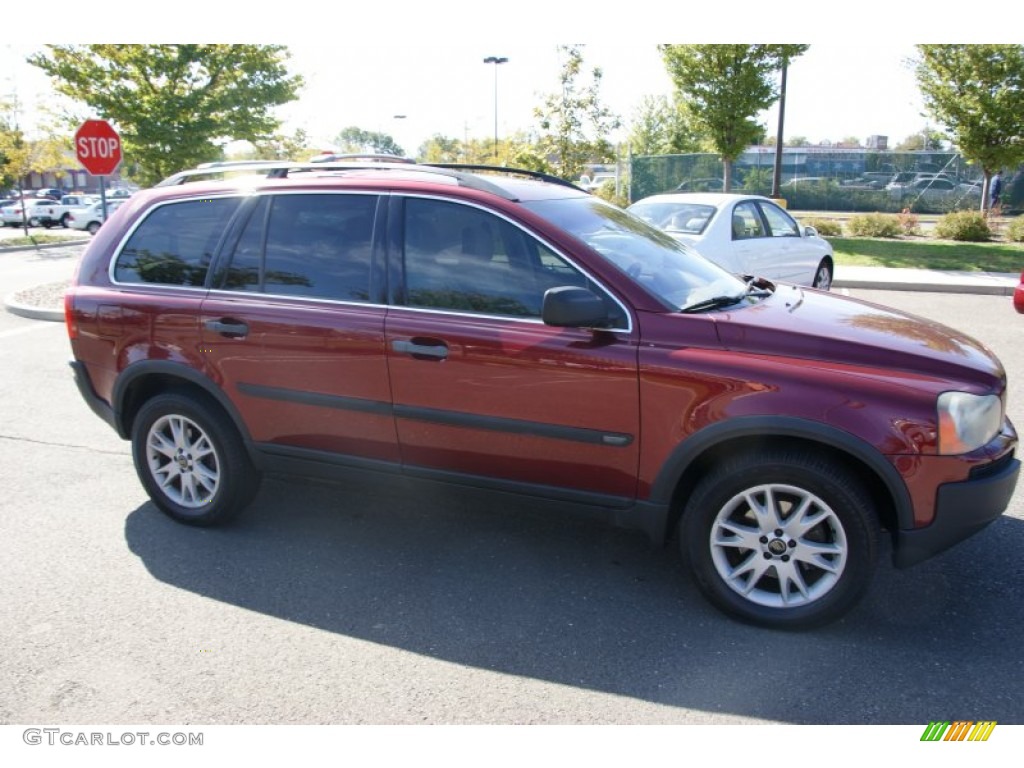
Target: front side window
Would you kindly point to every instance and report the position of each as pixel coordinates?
(780, 223)
(175, 243)
(311, 245)
(461, 258)
(674, 273)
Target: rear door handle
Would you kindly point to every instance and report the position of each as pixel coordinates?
(233, 329)
(434, 350)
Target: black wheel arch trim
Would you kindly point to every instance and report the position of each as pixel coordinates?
(170, 369)
(696, 445)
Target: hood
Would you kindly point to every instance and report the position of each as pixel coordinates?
(801, 323)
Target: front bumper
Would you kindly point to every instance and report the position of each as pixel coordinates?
(961, 510)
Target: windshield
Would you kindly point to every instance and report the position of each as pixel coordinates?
(675, 273)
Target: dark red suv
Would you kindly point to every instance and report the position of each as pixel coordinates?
(517, 333)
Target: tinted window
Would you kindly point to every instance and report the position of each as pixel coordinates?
(306, 245)
(462, 258)
(175, 243)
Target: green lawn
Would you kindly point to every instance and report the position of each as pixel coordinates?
(32, 240)
(928, 254)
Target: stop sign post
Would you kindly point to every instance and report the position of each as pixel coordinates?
(98, 148)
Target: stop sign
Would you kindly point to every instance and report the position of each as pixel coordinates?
(98, 147)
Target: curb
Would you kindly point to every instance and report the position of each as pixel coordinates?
(881, 285)
(33, 312)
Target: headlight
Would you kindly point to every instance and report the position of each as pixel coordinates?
(967, 421)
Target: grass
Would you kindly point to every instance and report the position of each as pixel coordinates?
(32, 240)
(928, 254)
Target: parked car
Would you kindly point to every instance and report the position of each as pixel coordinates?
(513, 332)
(51, 193)
(37, 212)
(933, 189)
(90, 218)
(745, 234)
(1018, 295)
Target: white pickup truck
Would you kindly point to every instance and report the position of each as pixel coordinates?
(59, 212)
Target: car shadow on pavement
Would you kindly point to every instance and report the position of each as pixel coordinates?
(523, 588)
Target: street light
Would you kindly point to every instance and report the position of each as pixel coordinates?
(496, 60)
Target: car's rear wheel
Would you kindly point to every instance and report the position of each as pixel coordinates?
(191, 460)
(33, 221)
(823, 276)
(93, 228)
(782, 539)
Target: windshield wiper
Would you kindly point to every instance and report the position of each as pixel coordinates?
(718, 302)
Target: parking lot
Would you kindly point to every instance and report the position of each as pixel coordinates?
(371, 601)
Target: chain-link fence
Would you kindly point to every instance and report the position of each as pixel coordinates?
(831, 179)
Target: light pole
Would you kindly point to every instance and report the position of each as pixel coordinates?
(496, 60)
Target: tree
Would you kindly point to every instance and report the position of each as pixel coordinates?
(357, 140)
(726, 87)
(174, 105)
(574, 124)
(281, 147)
(977, 93)
(663, 127)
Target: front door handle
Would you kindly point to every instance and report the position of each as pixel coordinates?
(434, 350)
(233, 329)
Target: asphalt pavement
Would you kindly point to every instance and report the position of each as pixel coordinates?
(43, 300)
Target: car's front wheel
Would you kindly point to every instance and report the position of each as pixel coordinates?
(784, 539)
(823, 276)
(191, 460)
(93, 228)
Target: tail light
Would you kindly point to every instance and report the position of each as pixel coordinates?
(69, 313)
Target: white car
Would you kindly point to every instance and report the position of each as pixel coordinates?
(37, 212)
(745, 234)
(91, 218)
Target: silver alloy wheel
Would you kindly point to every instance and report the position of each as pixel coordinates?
(778, 546)
(823, 279)
(183, 461)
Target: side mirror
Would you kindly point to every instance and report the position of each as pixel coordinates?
(810, 232)
(572, 307)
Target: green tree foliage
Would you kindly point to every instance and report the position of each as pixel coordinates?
(357, 141)
(574, 124)
(662, 126)
(174, 105)
(726, 87)
(977, 93)
(281, 147)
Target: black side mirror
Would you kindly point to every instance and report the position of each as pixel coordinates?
(572, 307)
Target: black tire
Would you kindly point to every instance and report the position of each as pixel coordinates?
(823, 276)
(191, 460)
(93, 228)
(65, 219)
(33, 221)
(780, 580)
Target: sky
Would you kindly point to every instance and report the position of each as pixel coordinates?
(425, 61)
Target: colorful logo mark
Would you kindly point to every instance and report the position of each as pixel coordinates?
(959, 730)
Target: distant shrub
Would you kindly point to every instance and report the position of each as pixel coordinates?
(966, 226)
(825, 227)
(1015, 230)
(874, 225)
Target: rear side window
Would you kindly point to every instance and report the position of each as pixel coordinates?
(311, 245)
(175, 243)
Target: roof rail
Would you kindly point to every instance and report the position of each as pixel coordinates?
(281, 170)
(503, 169)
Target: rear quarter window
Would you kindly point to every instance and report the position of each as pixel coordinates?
(175, 243)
